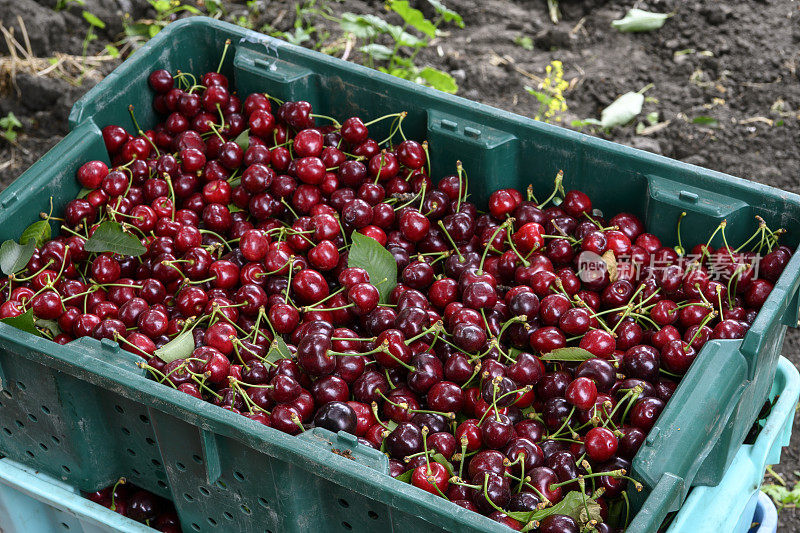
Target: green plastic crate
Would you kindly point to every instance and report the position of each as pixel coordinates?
(33, 502)
(224, 471)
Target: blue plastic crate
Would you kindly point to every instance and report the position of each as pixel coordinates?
(765, 518)
(32, 502)
(732, 505)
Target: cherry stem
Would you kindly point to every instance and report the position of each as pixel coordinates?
(437, 326)
(408, 458)
(374, 408)
(611, 473)
(464, 445)
(474, 373)
(385, 349)
(681, 251)
(326, 117)
(394, 128)
(220, 237)
(558, 187)
(202, 385)
(296, 420)
(566, 421)
(121, 481)
(462, 182)
(525, 262)
(451, 416)
(401, 405)
(156, 372)
(331, 295)
(489, 244)
(452, 242)
(179, 75)
(15, 278)
(384, 117)
(348, 306)
(631, 401)
(759, 231)
(283, 201)
(634, 392)
(224, 52)
(708, 318)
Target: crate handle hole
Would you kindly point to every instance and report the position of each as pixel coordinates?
(238, 475)
(373, 515)
(66, 469)
(189, 497)
(195, 527)
(119, 409)
(204, 491)
(197, 459)
(45, 410)
(347, 526)
(227, 515)
(343, 503)
(212, 521)
(21, 385)
(181, 466)
(246, 510)
(64, 525)
(264, 503)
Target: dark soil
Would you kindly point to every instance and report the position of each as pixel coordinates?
(736, 62)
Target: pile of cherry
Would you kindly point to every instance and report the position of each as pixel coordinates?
(138, 504)
(489, 371)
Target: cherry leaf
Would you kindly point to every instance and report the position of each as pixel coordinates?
(49, 325)
(24, 322)
(14, 257)
(513, 352)
(442, 460)
(243, 140)
(180, 347)
(611, 265)
(278, 350)
(110, 237)
(38, 233)
(405, 477)
(367, 253)
(568, 354)
(574, 504)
